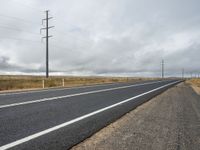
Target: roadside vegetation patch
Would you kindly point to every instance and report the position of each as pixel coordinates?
(195, 84)
(34, 82)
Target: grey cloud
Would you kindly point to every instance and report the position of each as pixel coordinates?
(4, 63)
(115, 37)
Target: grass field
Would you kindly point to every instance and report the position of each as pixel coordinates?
(195, 83)
(33, 82)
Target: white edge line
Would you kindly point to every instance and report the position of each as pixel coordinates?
(36, 135)
(56, 89)
(62, 88)
(73, 95)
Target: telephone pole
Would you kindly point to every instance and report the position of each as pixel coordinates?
(163, 63)
(47, 39)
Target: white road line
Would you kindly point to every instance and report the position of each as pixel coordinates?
(36, 135)
(73, 95)
(55, 89)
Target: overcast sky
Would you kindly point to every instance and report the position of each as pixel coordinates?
(101, 37)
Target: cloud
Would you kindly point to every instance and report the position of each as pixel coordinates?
(4, 63)
(115, 37)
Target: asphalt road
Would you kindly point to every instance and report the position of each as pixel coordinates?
(169, 121)
(61, 118)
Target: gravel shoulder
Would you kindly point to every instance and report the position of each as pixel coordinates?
(170, 121)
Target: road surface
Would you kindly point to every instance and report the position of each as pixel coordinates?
(61, 118)
(169, 121)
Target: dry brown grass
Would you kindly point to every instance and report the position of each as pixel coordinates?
(32, 82)
(195, 83)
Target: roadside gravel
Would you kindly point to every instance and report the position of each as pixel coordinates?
(170, 121)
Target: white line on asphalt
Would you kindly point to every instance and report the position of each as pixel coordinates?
(73, 95)
(55, 89)
(36, 135)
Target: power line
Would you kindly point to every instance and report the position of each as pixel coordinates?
(27, 5)
(19, 39)
(31, 22)
(17, 18)
(16, 29)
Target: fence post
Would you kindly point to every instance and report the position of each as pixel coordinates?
(63, 82)
(43, 83)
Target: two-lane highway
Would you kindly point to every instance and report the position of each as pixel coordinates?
(61, 118)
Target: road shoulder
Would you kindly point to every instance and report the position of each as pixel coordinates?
(168, 121)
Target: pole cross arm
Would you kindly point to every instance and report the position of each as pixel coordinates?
(46, 28)
(51, 27)
(42, 29)
(46, 37)
(46, 19)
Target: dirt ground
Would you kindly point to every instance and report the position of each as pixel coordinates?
(170, 121)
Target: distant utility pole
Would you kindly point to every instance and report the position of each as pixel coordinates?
(183, 73)
(47, 39)
(163, 63)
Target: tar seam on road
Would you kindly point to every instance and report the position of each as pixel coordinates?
(73, 95)
(36, 135)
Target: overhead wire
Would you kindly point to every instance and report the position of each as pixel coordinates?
(24, 4)
(17, 29)
(20, 30)
(17, 18)
(19, 39)
(86, 43)
(28, 21)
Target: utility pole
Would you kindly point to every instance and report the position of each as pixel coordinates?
(47, 39)
(163, 63)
